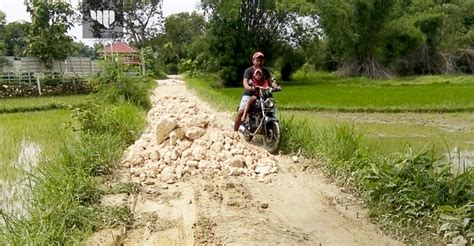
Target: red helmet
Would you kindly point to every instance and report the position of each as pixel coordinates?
(257, 54)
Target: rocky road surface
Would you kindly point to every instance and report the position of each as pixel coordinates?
(201, 183)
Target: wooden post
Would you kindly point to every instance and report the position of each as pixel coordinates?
(39, 85)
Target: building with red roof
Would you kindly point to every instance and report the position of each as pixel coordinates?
(122, 51)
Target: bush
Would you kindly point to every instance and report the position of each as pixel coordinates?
(413, 193)
(64, 207)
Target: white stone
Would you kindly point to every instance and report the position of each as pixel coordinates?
(155, 155)
(163, 128)
(237, 161)
(173, 138)
(180, 133)
(194, 133)
(217, 147)
(248, 161)
(167, 174)
(263, 170)
(203, 164)
(197, 153)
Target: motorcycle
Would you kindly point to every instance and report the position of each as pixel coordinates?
(261, 119)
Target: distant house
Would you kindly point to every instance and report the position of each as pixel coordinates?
(122, 52)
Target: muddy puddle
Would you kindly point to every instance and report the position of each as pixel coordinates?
(15, 193)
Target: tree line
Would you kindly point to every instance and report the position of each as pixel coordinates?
(372, 38)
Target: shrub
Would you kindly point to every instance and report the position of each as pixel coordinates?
(413, 193)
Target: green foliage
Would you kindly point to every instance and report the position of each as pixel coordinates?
(123, 120)
(379, 39)
(14, 38)
(47, 38)
(64, 206)
(182, 40)
(79, 49)
(113, 85)
(237, 29)
(143, 19)
(457, 223)
(295, 134)
(404, 192)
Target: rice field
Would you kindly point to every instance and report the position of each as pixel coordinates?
(422, 111)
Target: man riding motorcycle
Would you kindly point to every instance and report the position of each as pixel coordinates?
(249, 73)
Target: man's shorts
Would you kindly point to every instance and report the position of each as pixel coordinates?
(243, 101)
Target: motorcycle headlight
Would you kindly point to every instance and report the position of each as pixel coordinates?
(269, 103)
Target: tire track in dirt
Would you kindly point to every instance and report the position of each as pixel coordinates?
(221, 206)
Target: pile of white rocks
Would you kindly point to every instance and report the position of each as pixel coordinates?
(184, 139)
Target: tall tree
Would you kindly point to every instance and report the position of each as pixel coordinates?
(143, 20)
(15, 43)
(177, 42)
(240, 27)
(356, 31)
(47, 37)
(3, 61)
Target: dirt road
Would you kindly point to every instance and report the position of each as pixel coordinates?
(191, 196)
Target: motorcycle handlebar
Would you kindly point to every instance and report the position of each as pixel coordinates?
(266, 88)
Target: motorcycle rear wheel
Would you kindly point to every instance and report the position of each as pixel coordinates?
(272, 137)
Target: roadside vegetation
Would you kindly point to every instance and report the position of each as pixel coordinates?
(414, 194)
(64, 206)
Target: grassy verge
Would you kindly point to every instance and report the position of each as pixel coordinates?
(64, 204)
(412, 194)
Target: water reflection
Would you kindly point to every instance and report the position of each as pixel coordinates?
(15, 193)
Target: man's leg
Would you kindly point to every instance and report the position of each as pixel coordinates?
(247, 106)
(238, 118)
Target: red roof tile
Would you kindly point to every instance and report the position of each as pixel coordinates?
(118, 47)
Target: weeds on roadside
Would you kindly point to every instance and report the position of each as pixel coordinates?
(413, 193)
(64, 206)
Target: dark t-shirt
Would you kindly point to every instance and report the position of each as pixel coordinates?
(248, 74)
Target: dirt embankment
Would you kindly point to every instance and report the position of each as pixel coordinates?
(201, 183)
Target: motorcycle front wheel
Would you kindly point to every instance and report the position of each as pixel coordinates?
(272, 137)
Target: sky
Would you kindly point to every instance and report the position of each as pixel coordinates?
(16, 11)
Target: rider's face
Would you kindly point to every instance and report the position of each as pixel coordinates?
(258, 76)
(258, 62)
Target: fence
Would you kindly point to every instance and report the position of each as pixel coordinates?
(27, 70)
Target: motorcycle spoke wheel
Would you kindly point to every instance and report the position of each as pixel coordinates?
(272, 137)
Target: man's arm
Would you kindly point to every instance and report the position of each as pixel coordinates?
(247, 87)
(245, 82)
(272, 80)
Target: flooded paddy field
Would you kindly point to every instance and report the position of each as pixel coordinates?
(26, 140)
(450, 134)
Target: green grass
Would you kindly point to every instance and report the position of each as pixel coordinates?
(224, 99)
(40, 101)
(325, 92)
(14, 105)
(388, 133)
(64, 205)
(46, 129)
(412, 194)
